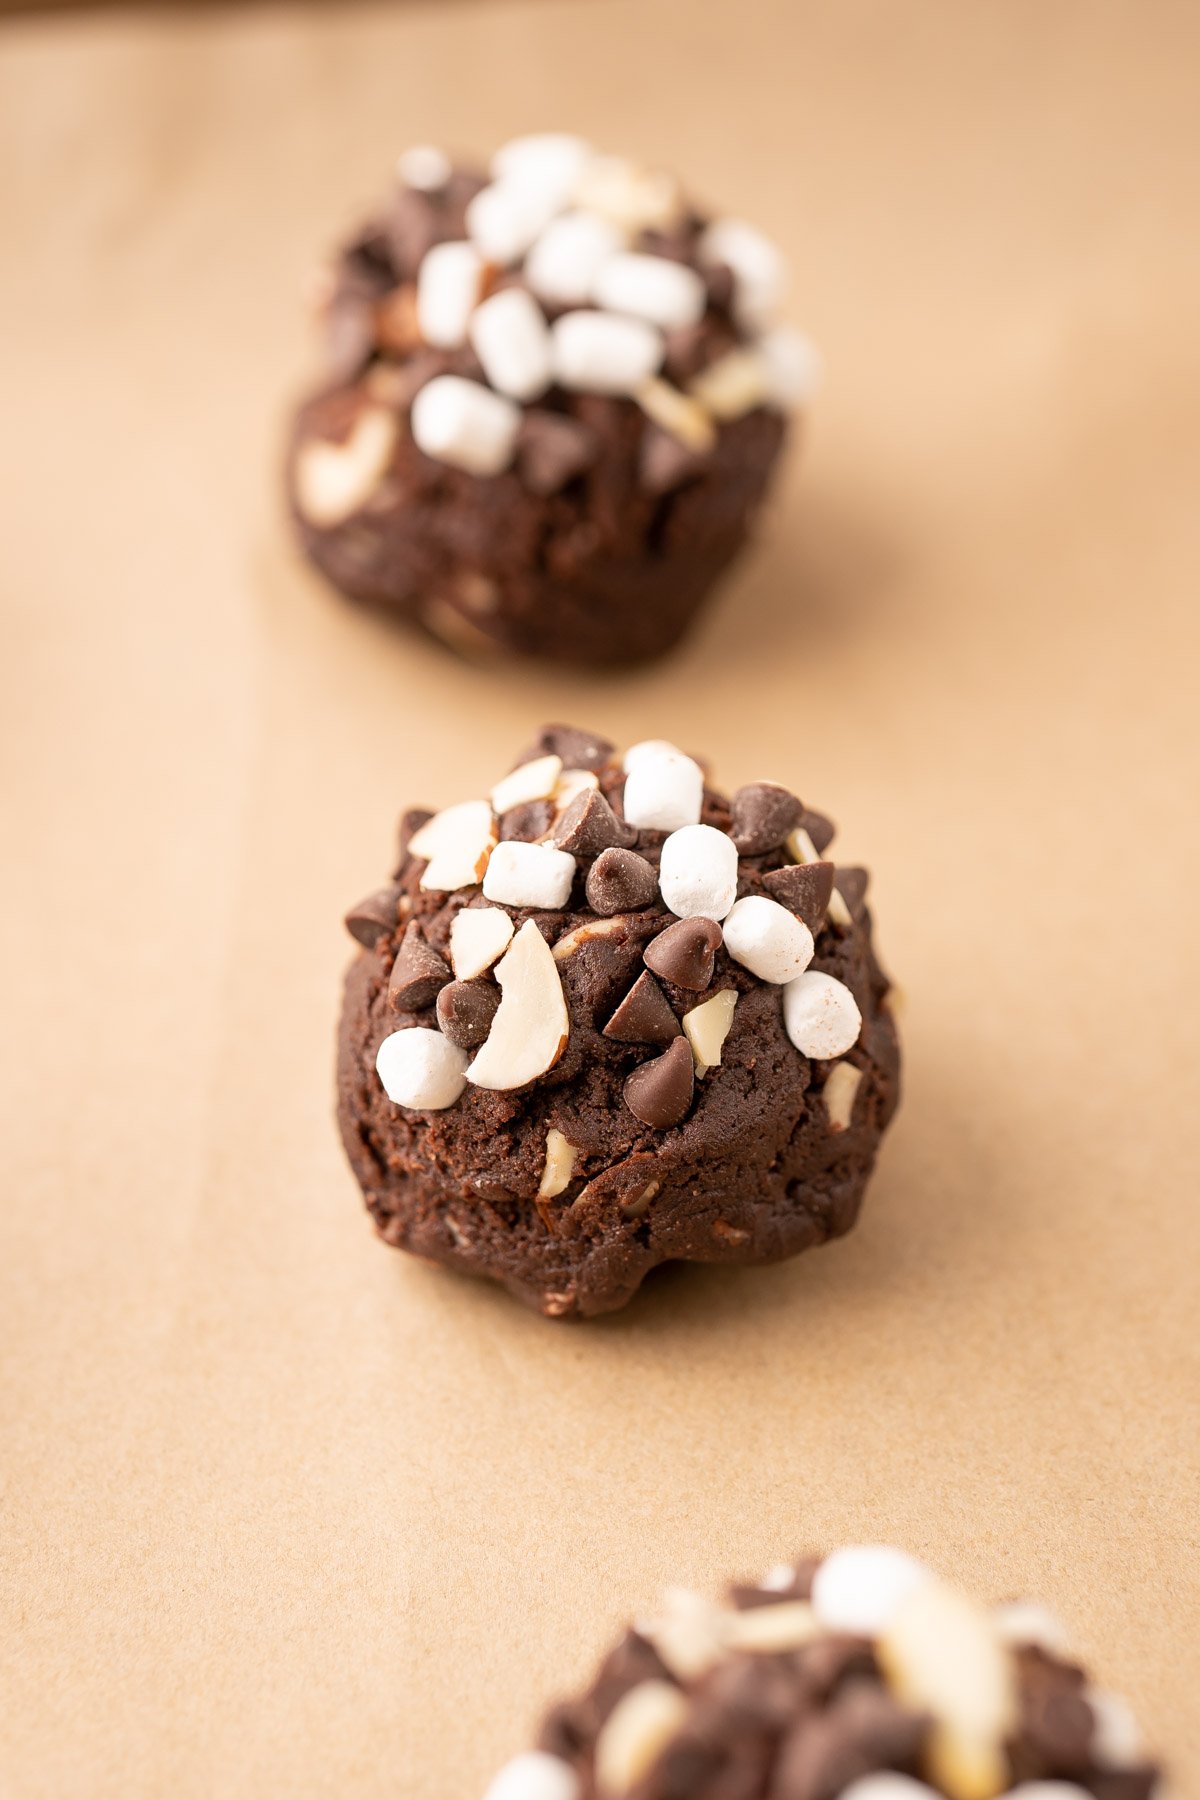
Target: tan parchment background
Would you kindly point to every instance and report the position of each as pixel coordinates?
(285, 1513)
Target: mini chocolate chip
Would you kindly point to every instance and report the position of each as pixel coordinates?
(373, 917)
(659, 1092)
(684, 953)
(666, 462)
(804, 888)
(851, 884)
(590, 825)
(578, 749)
(644, 1015)
(552, 450)
(417, 973)
(527, 822)
(620, 881)
(763, 814)
(465, 1010)
(821, 830)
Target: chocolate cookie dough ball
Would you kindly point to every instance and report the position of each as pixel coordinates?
(554, 395)
(859, 1675)
(606, 1018)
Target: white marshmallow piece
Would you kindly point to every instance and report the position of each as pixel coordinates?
(535, 780)
(424, 167)
(820, 1015)
(1118, 1739)
(1047, 1790)
(663, 791)
(651, 287)
(1022, 1622)
(504, 219)
(767, 939)
(462, 423)
(698, 872)
(604, 353)
(534, 1775)
(649, 747)
(478, 935)
(888, 1785)
(563, 264)
(861, 1588)
(529, 875)
(759, 271)
(422, 1069)
(793, 365)
(448, 285)
(635, 198)
(510, 337)
(549, 162)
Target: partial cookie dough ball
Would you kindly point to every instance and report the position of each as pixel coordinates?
(772, 1695)
(553, 398)
(580, 1038)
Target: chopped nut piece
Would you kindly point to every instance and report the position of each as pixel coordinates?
(535, 780)
(677, 413)
(530, 1030)
(559, 1165)
(943, 1654)
(707, 1027)
(635, 1734)
(572, 941)
(457, 843)
(334, 481)
(768, 1629)
(478, 935)
(735, 384)
(839, 1093)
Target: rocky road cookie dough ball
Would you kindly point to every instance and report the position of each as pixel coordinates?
(859, 1675)
(553, 396)
(606, 1018)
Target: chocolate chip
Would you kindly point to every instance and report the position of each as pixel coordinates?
(349, 334)
(685, 953)
(411, 822)
(666, 462)
(465, 1010)
(373, 917)
(821, 830)
(804, 888)
(763, 814)
(620, 881)
(527, 822)
(644, 1015)
(417, 973)
(863, 1731)
(659, 1092)
(851, 884)
(578, 749)
(552, 450)
(590, 825)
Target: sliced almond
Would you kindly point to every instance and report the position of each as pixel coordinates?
(944, 1656)
(334, 481)
(689, 1633)
(534, 780)
(801, 848)
(574, 940)
(767, 1629)
(559, 1165)
(707, 1026)
(838, 913)
(457, 842)
(530, 1030)
(635, 1734)
(735, 384)
(637, 1207)
(841, 1086)
(478, 935)
(631, 197)
(677, 413)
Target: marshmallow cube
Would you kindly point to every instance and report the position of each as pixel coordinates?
(652, 287)
(564, 263)
(421, 1068)
(535, 1775)
(604, 353)
(462, 423)
(548, 162)
(504, 219)
(793, 365)
(424, 166)
(768, 940)
(820, 1015)
(664, 792)
(861, 1588)
(509, 336)
(448, 284)
(529, 875)
(759, 270)
(698, 872)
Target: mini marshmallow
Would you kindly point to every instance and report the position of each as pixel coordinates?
(698, 872)
(529, 875)
(421, 1068)
(1025, 1622)
(549, 162)
(1118, 1739)
(793, 365)
(601, 353)
(652, 287)
(1047, 1790)
(448, 285)
(767, 939)
(759, 270)
(888, 1785)
(534, 1775)
(664, 792)
(649, 747)
(861, 1588)
(504, 219)
(564, 262)
(424, 167)
(463, 423)
(820, 1015)
(509, 335)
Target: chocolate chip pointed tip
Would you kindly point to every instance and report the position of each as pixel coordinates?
(685, 953)
(644, 1015)
(659, 1092)
(763, 814)
(620, 881)
(418, 973)
(804, 888)
(589, 825)
(374, 917)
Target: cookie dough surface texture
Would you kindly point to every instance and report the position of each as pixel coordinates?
(858, 1675)
(574, 1047)
(553, 394)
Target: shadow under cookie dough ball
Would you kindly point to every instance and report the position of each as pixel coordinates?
(607, 1018)
(858, 1675)
(552, 402)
